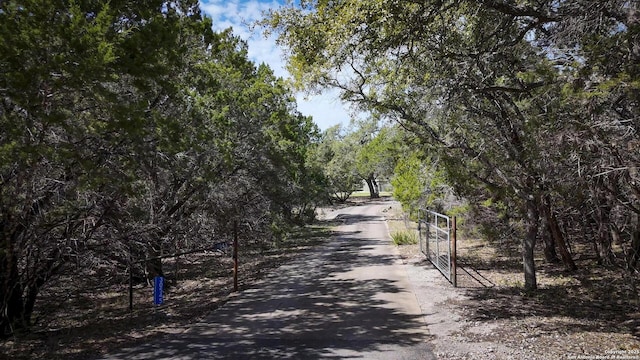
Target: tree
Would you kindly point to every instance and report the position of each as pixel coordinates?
(374, 157)
(479, 83)
(337, 154)
(409, 182)
(125, 127)
(79, 106)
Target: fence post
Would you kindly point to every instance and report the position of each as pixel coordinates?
(235, 255)
(419, 233)
(454, 267)
(427, 224)
(130, 277)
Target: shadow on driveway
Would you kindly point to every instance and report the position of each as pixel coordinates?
(346, 299)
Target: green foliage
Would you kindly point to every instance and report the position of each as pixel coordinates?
(409, 183)
(132, 128)
(419, 182)
(374, 153)
(532, 104)
(461, 212)
(351, 156)
(335, 155)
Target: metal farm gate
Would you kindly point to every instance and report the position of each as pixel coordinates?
(438, 241)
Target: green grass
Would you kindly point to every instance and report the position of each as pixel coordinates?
(367, 194)
(404, 237)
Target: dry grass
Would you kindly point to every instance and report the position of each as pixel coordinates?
(397, 220)
(588, 312)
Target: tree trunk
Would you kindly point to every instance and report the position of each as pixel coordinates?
(341, 197)
(634, 257)
(604, 249)
(550, 254)
(49, 267)
(153, 266)
(565, 254)
(558, 237)
(12, 306)
(528, 245)
(330, 199)
(373, 187)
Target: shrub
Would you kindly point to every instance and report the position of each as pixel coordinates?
(404, 237)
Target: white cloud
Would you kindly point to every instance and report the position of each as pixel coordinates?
(326, 109)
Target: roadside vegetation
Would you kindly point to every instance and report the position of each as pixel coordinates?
(84, 318)
(131, 132)
(585, 312)
(404, 237)
(526, 111)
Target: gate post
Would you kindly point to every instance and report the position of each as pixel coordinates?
(454, 267)
(427, 224)
(235, 255)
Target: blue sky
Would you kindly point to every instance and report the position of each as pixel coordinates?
(326, 109)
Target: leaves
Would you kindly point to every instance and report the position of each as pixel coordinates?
(513, 100)
(132, 129)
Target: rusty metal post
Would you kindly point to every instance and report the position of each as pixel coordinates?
(454, 267)
(235, 256)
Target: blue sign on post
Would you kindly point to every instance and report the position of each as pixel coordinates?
(158, 287)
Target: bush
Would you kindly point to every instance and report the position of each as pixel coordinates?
(404, 237)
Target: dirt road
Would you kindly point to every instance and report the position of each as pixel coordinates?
(349, 299)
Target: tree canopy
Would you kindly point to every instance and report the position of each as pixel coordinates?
(131, 129)
(533, 104)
